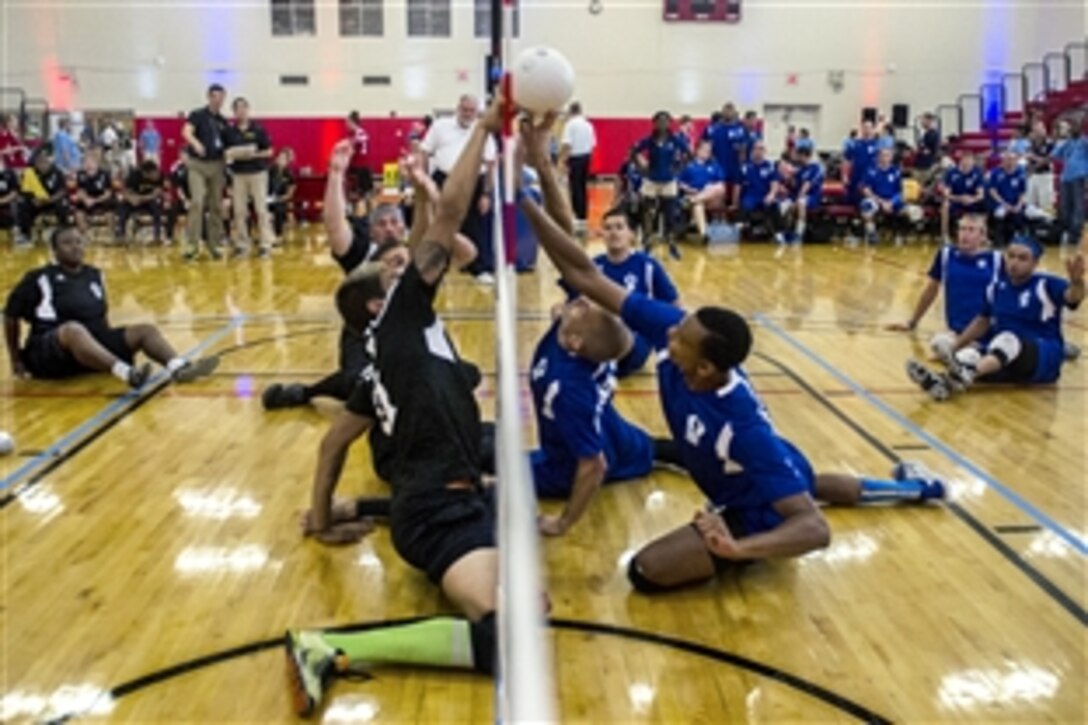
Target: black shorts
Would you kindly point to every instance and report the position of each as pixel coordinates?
(1020, 370)
(103, 207)
(433, 528)
(45, 358)
(363, 179)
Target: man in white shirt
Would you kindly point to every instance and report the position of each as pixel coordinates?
(579, 140)
(443, 144)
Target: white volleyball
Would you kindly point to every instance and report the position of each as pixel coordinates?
(542, 80)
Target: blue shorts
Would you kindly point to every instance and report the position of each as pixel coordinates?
(956, 209)
(869, 205)
(757, 519)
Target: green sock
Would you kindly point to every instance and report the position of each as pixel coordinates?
(438, 642)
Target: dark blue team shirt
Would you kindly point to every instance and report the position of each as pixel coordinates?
(885, 183)
(576, 419)
(862, 154)
(813, 175)
(1009, 186)
(639, 273)
(725, 437)
(665, 156)
(756, 181)
(729, 143)
(964, 279)
(700, 174)
(961, 184)
(1032, 310)
(632, 176)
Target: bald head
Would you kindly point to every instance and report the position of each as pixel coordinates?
(593, 333)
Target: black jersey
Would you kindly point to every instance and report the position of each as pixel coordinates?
(51, 179)
(280, 183)
(251, 135)
(93, 185)
(422, 393)
(49, 296)
(9, 182)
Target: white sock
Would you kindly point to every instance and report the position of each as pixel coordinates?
(176, 364)
(870, 228)
(800, 229)
(121, 370)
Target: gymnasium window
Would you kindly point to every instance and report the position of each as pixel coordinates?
(429, 19)
(365, 18)
(293, 17)
(483, 18)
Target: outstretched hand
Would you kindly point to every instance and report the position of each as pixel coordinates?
(492, 119)
(341, 156)
(536, 138)
(1075, 267)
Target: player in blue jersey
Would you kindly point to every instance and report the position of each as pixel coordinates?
(861, 153)
(963, 273)
(628, 190)
(1022, 314)
(584, 442)
(809, 185)
(752, 135)
(882, 195)
(1006, 191)
(760, 485)
(662, 154)
(729, 143)
(701, 182)
(633, 270)
(963, 189)
(757, 189)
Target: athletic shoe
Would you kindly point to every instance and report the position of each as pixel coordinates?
(194, 369)
(674, 251)
(21, 241)
(264, 253)
(485, 278)
(898, 240)
(779, 238)
(933, 486)
(189, 255)
(215, 254)
(1070, 352)
(277, 396)
(871, 239)
(311, 664)
(960, 374)
(936, 385)
(138, 375)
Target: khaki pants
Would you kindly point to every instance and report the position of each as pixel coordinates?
(206, 181)
(1041, 191)
(244, 188)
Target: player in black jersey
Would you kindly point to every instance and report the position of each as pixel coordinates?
(65, 305)
(94, 191)
(9, 194)
(421, 395)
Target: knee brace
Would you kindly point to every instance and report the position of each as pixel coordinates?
(1005, 347)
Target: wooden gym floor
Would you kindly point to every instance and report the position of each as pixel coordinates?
(150, 545)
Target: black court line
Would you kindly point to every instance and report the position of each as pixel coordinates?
(70, 453)
(725, 657)
(1051, 589)
(910, 447)
(1018, 528)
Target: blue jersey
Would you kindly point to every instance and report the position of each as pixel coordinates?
(965, 279)
(751, 138)
(756, 182)
(664, 155)
(725, 437)
(632, 176)
(729, 144)
(1033, 311)
(700, 174)
(961, 184)
(813, 175)
(862, 156)
(639, 273)
(576, 419)
(885, 183)
(1010, 187)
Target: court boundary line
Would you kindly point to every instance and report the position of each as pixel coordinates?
(690, 647)
(90, 429)
(933, 441)
(1056, 593)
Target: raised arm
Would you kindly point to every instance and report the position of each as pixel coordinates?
(335, 212)
(536, 152)
(432, 255)
(574, 265)
(1074, 293)
(426, 195)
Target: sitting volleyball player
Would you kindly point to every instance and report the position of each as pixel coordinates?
(1022, 313)
(761, 486)
(882, 194)
(442, 521)
(634, 270)
(65, 305)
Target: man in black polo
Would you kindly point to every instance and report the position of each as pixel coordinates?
(142, 193)
(248, 152)
(204, 132)
(44, 191)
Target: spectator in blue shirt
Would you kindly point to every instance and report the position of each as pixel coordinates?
(150, 141)
(929, 145)
(1072, 151)
(702, 181)
(66, 153)
(882, 190)
(808, 188)
(861, 154)
(629, 187)
(964, 189)
(804, 141)
(661, 155)
(1006, 192)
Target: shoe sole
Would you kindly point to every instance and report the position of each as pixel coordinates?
(197, 369)
(141, 378)
(300, 699)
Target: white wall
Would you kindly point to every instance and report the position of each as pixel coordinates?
(157, 55)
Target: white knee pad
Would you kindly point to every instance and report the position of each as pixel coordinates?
(914, 213)
(784, 207)
(868, 206)
(1008, 344)
(941, 345)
